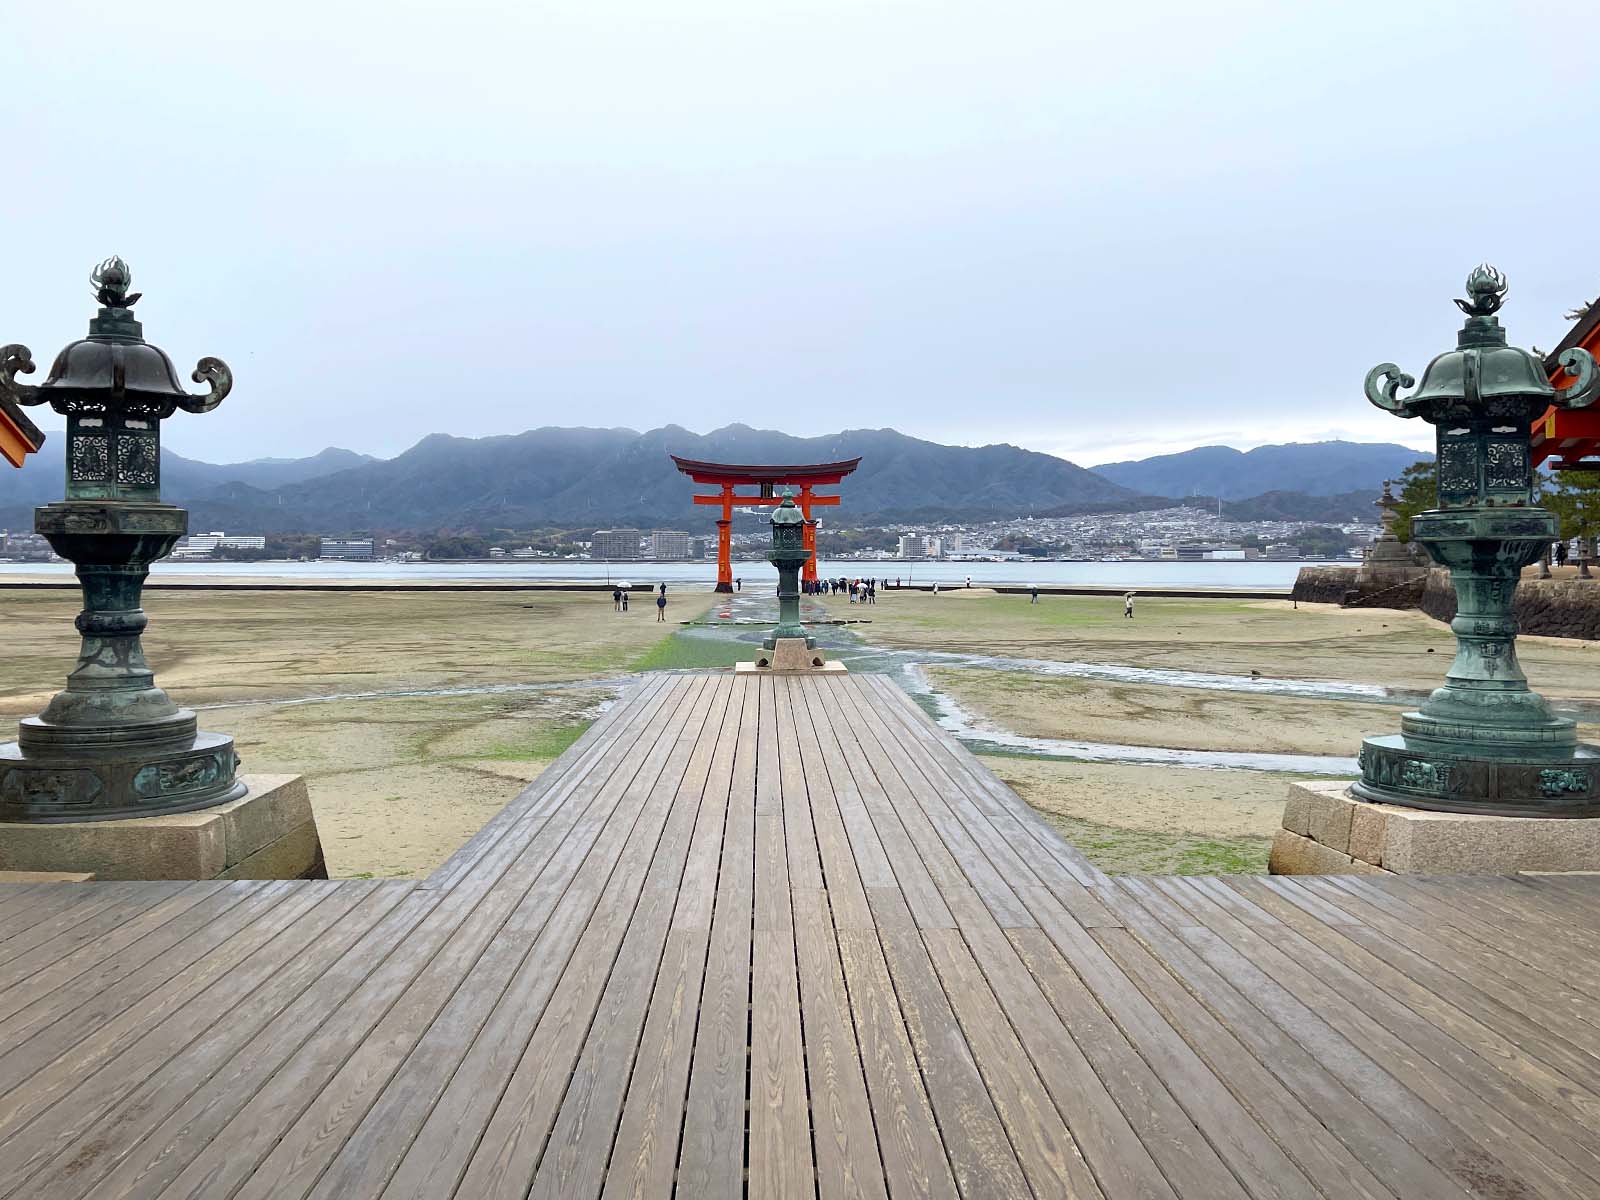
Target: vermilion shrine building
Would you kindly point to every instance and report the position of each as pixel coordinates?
(19, 437)
(726, 477)
(1570, 437)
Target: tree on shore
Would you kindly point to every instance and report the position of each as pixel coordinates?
(1574, 498)
(1419, 491)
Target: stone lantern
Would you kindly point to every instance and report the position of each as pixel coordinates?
(789, 647)
(789, 553)
(113, 744)
(1484, 743)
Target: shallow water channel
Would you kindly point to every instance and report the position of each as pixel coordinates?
(746, 617)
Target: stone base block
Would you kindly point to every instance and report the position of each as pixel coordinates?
(268, 834)
(790, 654)
(1327, 831)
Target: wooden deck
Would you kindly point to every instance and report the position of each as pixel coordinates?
(783, 935)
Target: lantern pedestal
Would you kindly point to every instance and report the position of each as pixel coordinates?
(268, 834)
(790, 654)
(112, 744)
(1327, 831)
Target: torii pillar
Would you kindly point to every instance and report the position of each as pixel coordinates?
(726, 477)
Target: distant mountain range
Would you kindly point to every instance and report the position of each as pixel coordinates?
(1311, 468)
(579, 478)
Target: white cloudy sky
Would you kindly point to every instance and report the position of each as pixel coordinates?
(1101, 230)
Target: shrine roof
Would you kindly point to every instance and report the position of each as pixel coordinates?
(710, 472)
(19, 437)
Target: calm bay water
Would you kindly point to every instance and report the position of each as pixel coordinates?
(1244, 575)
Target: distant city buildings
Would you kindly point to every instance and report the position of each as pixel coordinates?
(345, 549)
(911, 545)
(669, 545)
(25, 547)
(204, 545)
(615, 544)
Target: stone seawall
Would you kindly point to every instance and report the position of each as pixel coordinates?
(1324, 585)
(1567, 608)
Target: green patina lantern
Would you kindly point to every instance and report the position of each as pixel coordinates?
(1484, 742)
(113, 744)
(789, 553)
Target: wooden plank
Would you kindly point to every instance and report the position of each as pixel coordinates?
(38, 1070)
(1121, 1161)
(1498, 1006)
(116, 953)
(1388, 1156)
(28, 949)
(989, 791)
(555, 783)
(984, 861)
(498, 960)
(847, 1160)
(1322, 1157)
(46, 1153)
(697, 893)
(869, 858)
(1163, 1088)
(711, 1161)
(644, 1156)
(509, 1154)
(1533, 1095)
(201, 1089)
(1046, 1150)
(847, 899)
(1017, 825)
(911, 874)
(780, 1134)
(802, 856)
(582, 1138)
(915, 1161)
(976, 1139)
(344, 1053)
(1413, 1052)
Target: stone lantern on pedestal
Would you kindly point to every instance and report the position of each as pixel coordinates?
(1484, 743)
(789, 647)
(113, 744)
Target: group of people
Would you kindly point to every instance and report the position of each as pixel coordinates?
(619, 601)
(861, 591)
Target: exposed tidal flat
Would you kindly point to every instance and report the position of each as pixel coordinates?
(1259, 678)
(417, 715)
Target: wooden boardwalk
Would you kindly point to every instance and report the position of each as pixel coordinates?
(781, 937)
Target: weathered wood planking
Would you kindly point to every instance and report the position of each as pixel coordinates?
(782, 937)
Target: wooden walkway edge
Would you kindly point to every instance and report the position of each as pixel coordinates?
(783, 937)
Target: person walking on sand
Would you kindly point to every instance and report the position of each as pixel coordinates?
(624, 601)
(1033, 593)
(616, 599)
(661, 604)
(663, 587)
(738, 584)
(1127, 605)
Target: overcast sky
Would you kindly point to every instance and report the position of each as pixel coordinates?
(1099, 230)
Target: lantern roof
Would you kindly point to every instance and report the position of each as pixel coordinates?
(1483, 378)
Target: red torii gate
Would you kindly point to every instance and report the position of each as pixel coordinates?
(727, 476)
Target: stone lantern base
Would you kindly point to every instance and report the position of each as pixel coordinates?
(788, 655)
(268, 834)
(1328, 831)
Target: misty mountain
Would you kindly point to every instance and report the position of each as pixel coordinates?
(1312, 468)
(579, 477)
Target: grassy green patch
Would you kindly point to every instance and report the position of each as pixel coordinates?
(545, 741)
(1138, 852)
(681, 652)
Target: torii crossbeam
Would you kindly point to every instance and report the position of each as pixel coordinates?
(728, 476)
